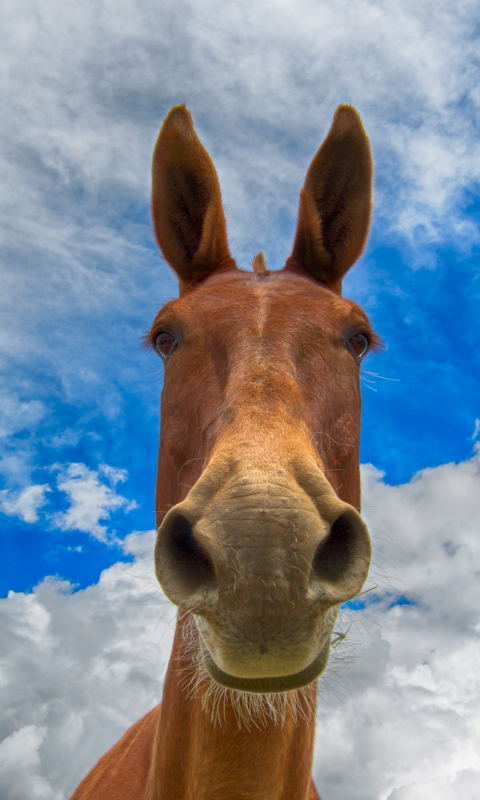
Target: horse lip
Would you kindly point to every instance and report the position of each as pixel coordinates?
(284, 683)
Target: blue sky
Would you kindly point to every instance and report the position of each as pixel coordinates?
(90, 395)
(85, 92)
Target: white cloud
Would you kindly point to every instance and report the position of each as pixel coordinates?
(87, 91)
(76, 669)
(407, 728)
(19, 764)
(18, 417)
(25, 504)
(91, 500)
(401, 724)
(92, 496)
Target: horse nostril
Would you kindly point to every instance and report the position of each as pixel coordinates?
(334, 555)
(342, 559)
(180, 555)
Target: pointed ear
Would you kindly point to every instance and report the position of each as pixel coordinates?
(187, 208)
(335, 203)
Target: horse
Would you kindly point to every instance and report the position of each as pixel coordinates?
(259, 535)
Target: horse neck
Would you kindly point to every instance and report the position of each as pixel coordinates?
(205, 750)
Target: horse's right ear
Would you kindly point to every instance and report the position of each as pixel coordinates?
(187, 211)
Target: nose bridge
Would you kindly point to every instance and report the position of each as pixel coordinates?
(263, 386)
(266, 434)
(263, 422)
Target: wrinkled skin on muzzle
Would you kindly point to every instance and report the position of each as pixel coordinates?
(262, 551)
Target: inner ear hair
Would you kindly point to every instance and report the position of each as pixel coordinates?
(187, 211)
(335, 203)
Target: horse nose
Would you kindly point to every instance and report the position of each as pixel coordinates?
(188, 563)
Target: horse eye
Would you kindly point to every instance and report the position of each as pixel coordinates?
(359, 343)
(165, 343)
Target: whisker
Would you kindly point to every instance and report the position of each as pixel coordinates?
(250, 710)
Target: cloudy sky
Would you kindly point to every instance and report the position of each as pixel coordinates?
(85, 631)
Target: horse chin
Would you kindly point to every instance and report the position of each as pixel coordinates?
(283, 683)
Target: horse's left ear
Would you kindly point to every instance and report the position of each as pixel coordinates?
(335, 203)
(187, 208)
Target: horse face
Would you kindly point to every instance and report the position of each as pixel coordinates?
(260, 419)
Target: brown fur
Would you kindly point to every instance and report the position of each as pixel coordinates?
(261, 416)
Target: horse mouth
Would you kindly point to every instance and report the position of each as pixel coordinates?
(283, 683)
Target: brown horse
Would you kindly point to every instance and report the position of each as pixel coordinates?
(258, 488)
